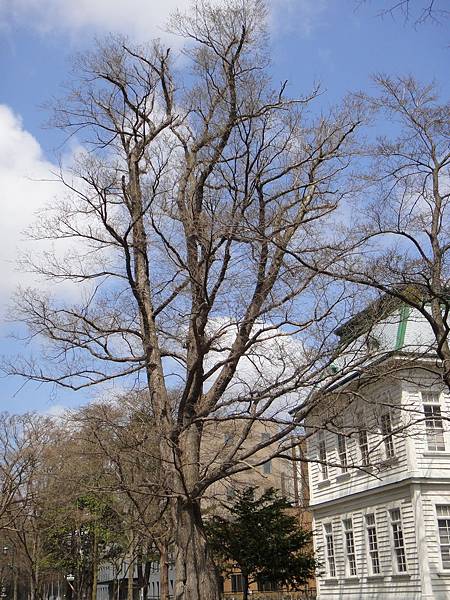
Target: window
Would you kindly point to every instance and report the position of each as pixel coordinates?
(228, 439)
(433, 426)
(267, 586)
(363, 446)
(267, 467)
(372, 544)
(443, 514)
(323, 457)
(430, 397)
(342, 451)
(329, 545)
(237, 582)
(231, 493)
(398, 541)
(349, 547)
(386, 432)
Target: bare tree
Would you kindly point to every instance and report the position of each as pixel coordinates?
(25, 442)
(200, 184)
(398, 247)
(403, 242)
(121, 435)
(18, 435)
(417, 12)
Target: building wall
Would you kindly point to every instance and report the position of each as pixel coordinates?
(389, 583)
(416, 480)
(360, 414)
(432, 496)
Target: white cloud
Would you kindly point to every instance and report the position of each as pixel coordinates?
(141, 19)
(24, 189)
(28, 184)
(58, 411)
(300, 16)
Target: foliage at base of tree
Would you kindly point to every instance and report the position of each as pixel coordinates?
(264, 539)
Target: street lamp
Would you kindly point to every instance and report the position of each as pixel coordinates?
(70, 579)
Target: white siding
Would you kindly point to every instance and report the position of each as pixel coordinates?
(388, 584)
(427, 464)
(358, 479)
(416, 480)
(440, 578)
(419, 335)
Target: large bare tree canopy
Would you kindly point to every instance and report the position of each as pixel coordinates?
(196, 179)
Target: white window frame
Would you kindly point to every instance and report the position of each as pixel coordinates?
(342, 452)
(365, 454)
(388, 438)
(433, 434)
(330, 559)
(392, 522)
(351, 567)
(323, 466)
(371, 553)
(443, 505)
(266, 466)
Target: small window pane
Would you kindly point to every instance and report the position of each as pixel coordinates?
(372, 543)
(399, 542)
(443, 513)
(342, 451)
(386, 432)
(323, 459)
(350, 547)
(329, 546)
(364, 446)
(434, 427)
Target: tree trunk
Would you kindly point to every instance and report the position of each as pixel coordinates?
(130, 578)
(196, 573)
(15, 585)
(245, 587)
(32, 588)
(164, 571)
(94, 565)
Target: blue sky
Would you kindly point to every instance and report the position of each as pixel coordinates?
(338, 43)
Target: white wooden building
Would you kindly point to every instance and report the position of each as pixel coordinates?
(380, 491)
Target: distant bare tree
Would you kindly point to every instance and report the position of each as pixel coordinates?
(404, 245)
(201, 183)
(25, 443)
(415, 11)
(121, 436)
(398, 245)
(22, 440)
